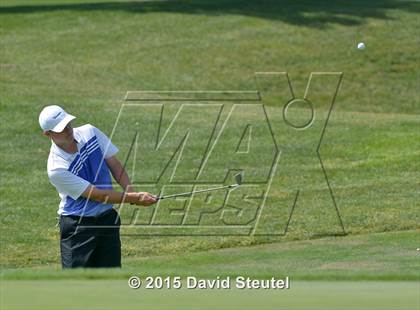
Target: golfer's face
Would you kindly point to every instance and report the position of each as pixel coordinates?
(68, 131)
(65, 136)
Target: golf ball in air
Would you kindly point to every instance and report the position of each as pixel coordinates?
(361, 46)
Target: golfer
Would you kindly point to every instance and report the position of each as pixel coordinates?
(80, 165)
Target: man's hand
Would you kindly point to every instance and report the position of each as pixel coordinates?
(141, 198)
(111, 196)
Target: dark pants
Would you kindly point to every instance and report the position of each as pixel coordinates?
(90, 241)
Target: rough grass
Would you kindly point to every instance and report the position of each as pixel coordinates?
(382, 256)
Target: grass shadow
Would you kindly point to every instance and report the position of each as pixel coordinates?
(305, 13)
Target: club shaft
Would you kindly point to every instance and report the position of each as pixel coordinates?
(199, 191)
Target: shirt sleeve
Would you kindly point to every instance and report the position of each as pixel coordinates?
(108, 149)
(68, 183)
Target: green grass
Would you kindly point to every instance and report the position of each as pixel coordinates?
(383, 256)
(85, 56)
(111, 294)
(82, 53)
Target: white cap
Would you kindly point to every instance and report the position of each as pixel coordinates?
(54, 118)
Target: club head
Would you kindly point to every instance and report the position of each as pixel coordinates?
(238, 179)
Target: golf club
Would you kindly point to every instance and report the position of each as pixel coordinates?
(238, 180)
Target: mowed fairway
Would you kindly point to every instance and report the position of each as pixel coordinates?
(85, 56)
(115, 294)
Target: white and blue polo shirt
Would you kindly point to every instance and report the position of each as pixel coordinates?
(71, 174)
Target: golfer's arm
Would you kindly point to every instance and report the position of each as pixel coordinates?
(118, 172)
(109, 196)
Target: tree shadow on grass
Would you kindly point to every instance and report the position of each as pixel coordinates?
(318, 13)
